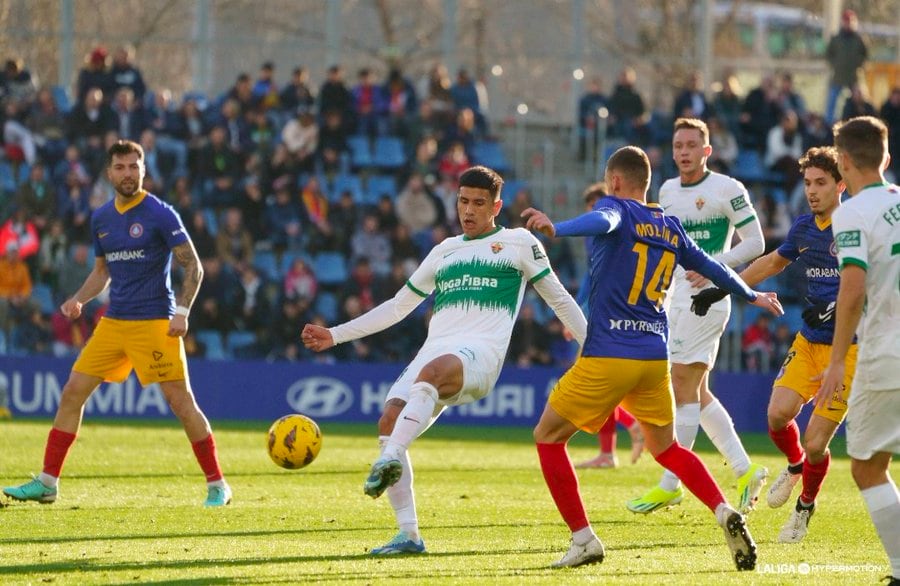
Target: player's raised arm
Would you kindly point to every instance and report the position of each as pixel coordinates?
(186, 256)
(96, 281)
(601, 220)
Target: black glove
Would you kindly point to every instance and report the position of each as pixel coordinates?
(819, 314)
(703, 299)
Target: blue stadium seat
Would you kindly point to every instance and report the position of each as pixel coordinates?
(7, 177)
(42, 295)
(61, 97)
(330, 268)
(378, 185)
(327, 305)
(212, 221)
(360, 151)
(3, 348)
(510, 189)
(238, 341)
(351, 183)
(266, 263)
(490, 154)
(212, 339)
(389, 153)
(748, 167)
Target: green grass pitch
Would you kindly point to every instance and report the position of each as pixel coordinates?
(130, 512)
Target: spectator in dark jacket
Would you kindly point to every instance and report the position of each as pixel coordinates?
(124, 73)
(846, 54)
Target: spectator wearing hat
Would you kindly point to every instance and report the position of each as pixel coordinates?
(94, 74)
(846, 54)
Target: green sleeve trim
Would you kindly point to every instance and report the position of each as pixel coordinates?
(895, 249)
(416, 291)
(745, 221)
(854, 261)
(539, 276)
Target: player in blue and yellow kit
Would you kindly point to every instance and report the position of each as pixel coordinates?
(135, 238)
(810, 242)
(634, 249)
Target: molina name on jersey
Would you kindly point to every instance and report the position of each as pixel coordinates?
(136, 241)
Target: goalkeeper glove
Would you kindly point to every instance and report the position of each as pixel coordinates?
(819, 314)
(703, 299)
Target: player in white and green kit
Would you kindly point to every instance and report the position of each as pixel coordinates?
(479, 280)
(711, 207)
(867, 235)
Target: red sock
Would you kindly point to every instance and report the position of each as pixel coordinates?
(693, 473)
(813, 476)
(205, 450)
(58, 444)
(788, 441)
(563, 484)
(607, 435)
(624, 417)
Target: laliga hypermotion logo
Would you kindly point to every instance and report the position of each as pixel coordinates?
(319, 396)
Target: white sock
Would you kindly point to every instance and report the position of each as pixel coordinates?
(717, 424)
(687, 422)
(403, 500)
(48, 481)
(413, 419)
(584, 535)
(883, 502)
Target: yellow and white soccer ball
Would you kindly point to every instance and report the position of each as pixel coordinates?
(294, 441)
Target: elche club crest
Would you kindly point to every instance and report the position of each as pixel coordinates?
(699, 202)
(136, 230)
(496, 247)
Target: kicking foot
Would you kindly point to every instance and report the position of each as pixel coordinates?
(738, 538)
(749, 486)
(579, 555)
(780, 491)
(601, 461)
(384, 473)
(33, 490)
(399, 544)
(655, 498)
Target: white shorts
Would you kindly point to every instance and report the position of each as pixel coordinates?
(694, 339)
(873, 422)
(480, 372)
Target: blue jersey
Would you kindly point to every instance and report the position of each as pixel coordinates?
(136, 241)
(633, 250)
(813, 245)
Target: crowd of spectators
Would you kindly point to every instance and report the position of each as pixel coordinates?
(296, 215)
(296, 211)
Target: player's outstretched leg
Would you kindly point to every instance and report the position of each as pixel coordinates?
(33, 490)
(400, 544)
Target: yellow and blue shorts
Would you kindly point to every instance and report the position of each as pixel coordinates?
(117, 346)
(589, 392)
(804, 362)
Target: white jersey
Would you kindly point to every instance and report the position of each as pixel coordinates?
(479, 284)
(867, 234)
(709, 210)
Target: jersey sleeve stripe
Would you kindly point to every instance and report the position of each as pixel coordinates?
(539, 276)
(416, 291)
(745, 221)
(854, 261)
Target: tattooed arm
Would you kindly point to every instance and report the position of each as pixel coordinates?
(186, 256)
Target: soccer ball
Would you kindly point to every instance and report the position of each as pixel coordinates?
(294, 441)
